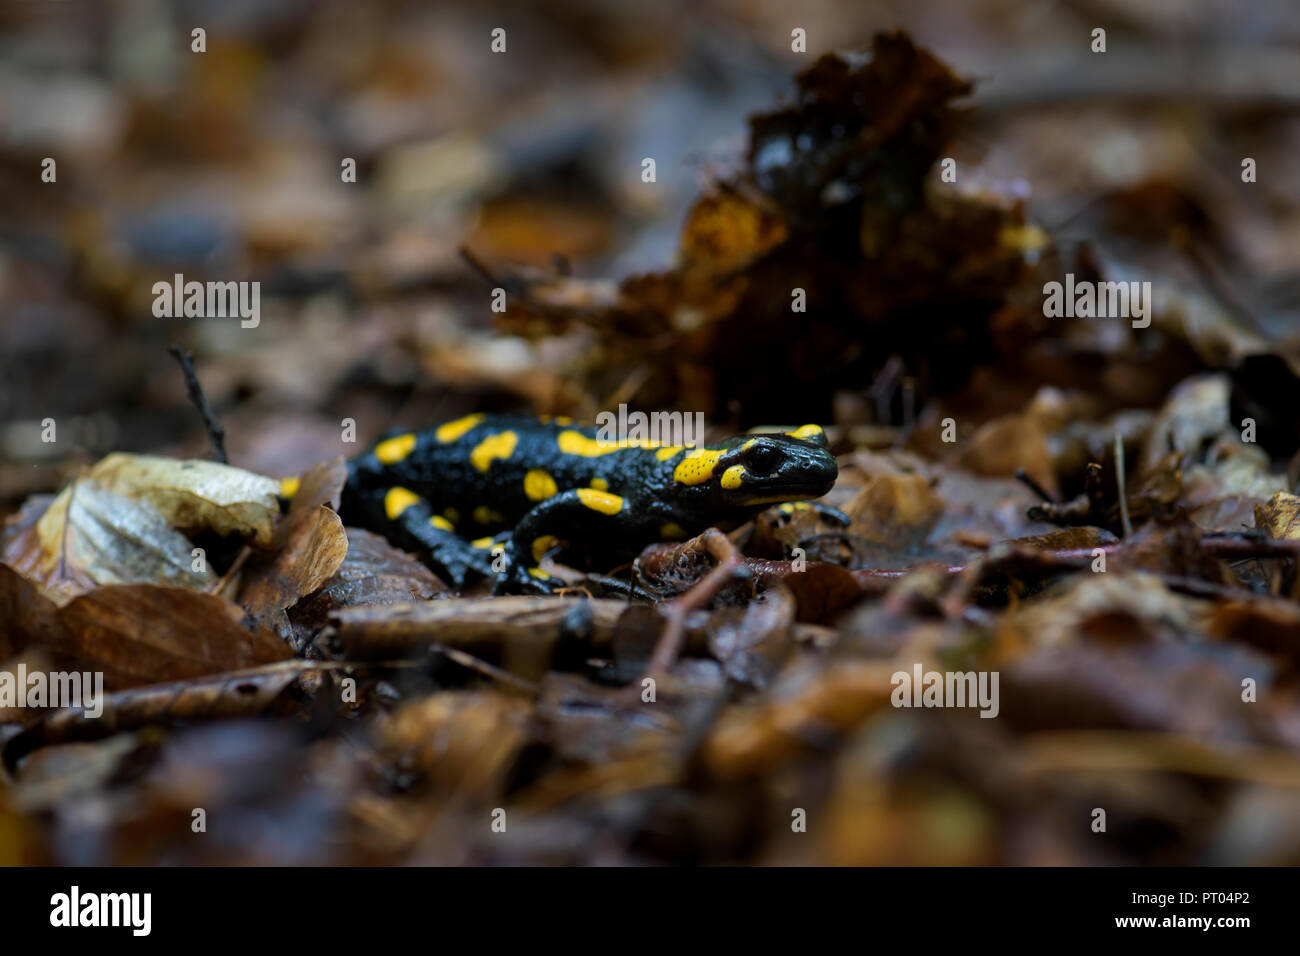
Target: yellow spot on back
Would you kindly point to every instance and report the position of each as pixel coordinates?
(668, 451)
(482, 542)
(806, 432)
(289, 486)
(697, 467)
(485, 515)
(539, 574)
(600, 484)
(398, 500)
(733, 476)
(576, 443)
(672, 530)
(601, 501)
(441, 523)
(392, 450)
(542, 545)
(450, 431)
(500, 445)
(539, 485)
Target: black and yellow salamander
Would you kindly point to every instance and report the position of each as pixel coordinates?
(493, 494)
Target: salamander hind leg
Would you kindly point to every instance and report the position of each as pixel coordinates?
(413, 523)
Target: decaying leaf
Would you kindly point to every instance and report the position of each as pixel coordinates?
(895, 515)
(135, 633)
(195, 495)
(463, 743)
(239, 693)
(90, 536)
(1090, 514)
(126, 521)
(373, 572)
(313, 546)
(1280, 517)
(1010, 444)
(799, 713)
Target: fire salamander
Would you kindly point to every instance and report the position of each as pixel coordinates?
(493, 494)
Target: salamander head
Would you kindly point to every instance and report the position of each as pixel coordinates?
(751, 472)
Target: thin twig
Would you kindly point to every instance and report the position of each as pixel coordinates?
(701, 593)
(1028, 481)
(1119, 481)
(216, 434)
(479, 267)
(470, 662)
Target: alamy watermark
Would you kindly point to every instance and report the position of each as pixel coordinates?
(1098, 300)
(626, 428)
(208, 300)
(75, 908)
(41, 690)
(946, 689)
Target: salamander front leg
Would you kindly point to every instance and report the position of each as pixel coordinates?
(582, 513)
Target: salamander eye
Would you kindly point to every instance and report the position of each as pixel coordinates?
(760, 459)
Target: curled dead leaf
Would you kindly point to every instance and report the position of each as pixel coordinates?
(195, 495)
(1280, 517)
(135, 633)
(312, 542)
(92, 536)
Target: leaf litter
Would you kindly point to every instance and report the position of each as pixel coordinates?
(1098, 532)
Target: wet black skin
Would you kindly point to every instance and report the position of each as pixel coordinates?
(777, 468)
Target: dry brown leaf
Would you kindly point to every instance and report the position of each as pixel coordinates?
(196, 495)
(122, 523)
(463, 742)
(748, 740)
(135, 633)
(91, 536)
(314, 545)
(243, 693)
(895, 510)
(725, 233)
(1195, 413)
(1011, 443)
(373, 572)
(1280, 517)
